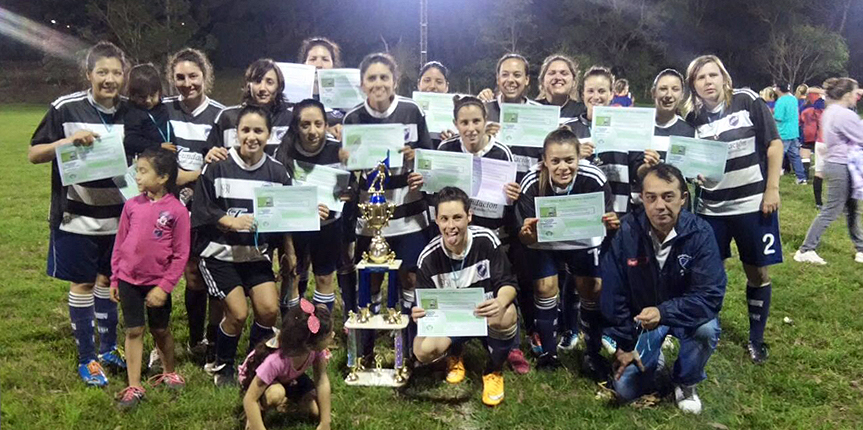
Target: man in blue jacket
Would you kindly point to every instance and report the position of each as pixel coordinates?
(662, 275)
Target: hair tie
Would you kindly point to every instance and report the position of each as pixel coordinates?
(314, 323)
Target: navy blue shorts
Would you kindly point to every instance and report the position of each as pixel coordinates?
(321, 247)
(79, 258)
(578, 262)
(222, 277)
(756, 236)
(407, 247)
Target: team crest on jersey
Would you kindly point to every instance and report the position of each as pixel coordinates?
(482, 270)
(235, 212)
(683, 260)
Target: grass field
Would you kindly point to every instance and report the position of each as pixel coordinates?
(814, 379)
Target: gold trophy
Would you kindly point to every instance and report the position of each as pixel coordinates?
(377, 213)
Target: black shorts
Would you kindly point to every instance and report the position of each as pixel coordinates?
(222, 277)
(322, 247)
(133, 301)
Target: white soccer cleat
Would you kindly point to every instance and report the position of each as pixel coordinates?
(687, 399)
(811, 257)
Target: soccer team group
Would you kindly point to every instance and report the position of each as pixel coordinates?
(658, 271)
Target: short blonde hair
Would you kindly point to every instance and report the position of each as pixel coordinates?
(694, 102)
(768, 94)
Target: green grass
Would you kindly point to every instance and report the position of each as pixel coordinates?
(812, 381)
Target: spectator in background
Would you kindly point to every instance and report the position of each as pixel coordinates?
(786, 115)
(769, 97)
(622, 96)
(810, 130)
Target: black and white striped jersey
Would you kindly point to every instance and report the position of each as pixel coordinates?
(588, 179)
(661, 134)
(227, 187)
(524, 157)
(190, 129)
(411, 213)
(90, 208)
(224, 132)
(485, 214)
(482, 265)
(748, 127)
(615, 165)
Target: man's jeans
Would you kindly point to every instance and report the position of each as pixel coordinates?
(792, 151)
(696, 347)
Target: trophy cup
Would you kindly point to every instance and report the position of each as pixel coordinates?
(379, 258)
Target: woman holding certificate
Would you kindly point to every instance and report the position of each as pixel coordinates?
(264, 87)
(561, 174)
(234, 260)
(744, 205)
(407, 229)
(323, 53)
(84, 216)
(434, 78)
(558, 80)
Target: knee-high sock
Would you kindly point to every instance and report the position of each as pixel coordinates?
(226, 347)
(569, 307)
(348, 285)
(499, 344)
(758, 299)
(303, 284)
(196, 309)
(816, 188)
(106, 318)
(806, 168)
(258, 334)
(591, 326)
(81, 315)
(545, 322)
(325, 299)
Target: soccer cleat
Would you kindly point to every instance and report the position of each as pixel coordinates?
(517, 361)
(609, 344)
(548, 361)
(224, 376)
(113, 360)
(535, 344)
(801, 182)
(454, 369)
(170, 380)
(154, 365)
(687, 399)
(198, 352)
(858, 257)
(808, 257)
(210, 367)
(492, 388)
(129, 398)
(568, 341)
(595, 367)
(757, 352)
(93, 374)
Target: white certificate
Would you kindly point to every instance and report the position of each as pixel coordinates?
(449, 312)
(622, 129)
(299, 81)
(481, 178)
(286, 208)
(573, 217)
(698, 157)
(527, 125)
(489, 178)
(105, 158)
(340, 88)
(330, 182)
(369, 144)
(127, 184)
(438, 109)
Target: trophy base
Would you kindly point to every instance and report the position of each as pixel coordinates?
(378, 322)
(378, 378)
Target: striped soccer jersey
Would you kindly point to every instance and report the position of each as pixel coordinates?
(224, 132)
(748, 127)
(228, 187)
(615, 165)
(411, 213)
(588, 179)
(90, 208)
(485, 214)
(191, 129)
(482, 265)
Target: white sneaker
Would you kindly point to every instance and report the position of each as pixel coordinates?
(812, 257)
(858, 257)
(687, 399)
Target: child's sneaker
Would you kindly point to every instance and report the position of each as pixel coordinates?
(454, 369)
(492, 388)
(93, 374)
(129, 398)
(113, 359)
(170, 380)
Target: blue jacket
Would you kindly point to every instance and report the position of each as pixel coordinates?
(688, 290)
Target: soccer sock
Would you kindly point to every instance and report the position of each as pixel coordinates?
(525, 304)
(288, 304)
(303, 284)
(81, 314)
(106, 318)
(570, 307)
(226, 347)
(326, 299)
(806, 168)
(591, 326)
(196, 309)
(816, 188)
(545, 322)
(258, 334)
(499, 345)
(348, 285)
(758, 299)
